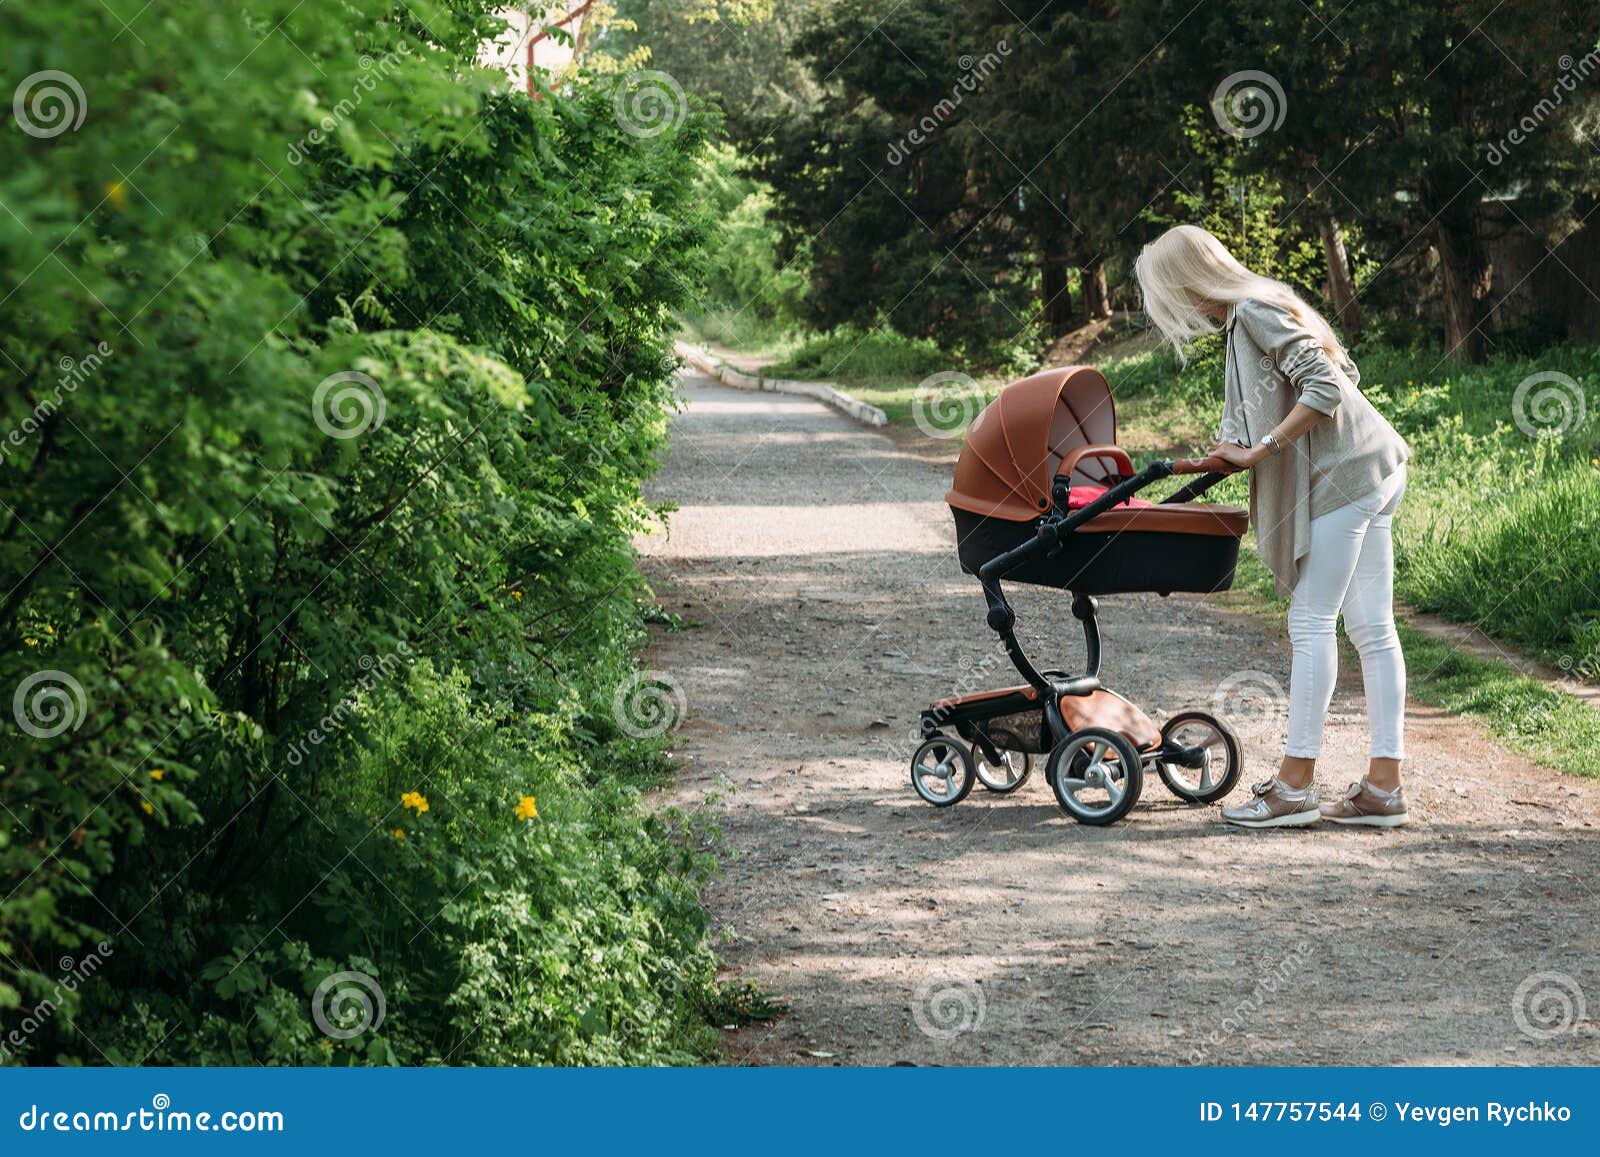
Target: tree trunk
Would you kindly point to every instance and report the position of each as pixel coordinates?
(1342, 290)
(1465, 271)
(1056, 296)
(1096, 297)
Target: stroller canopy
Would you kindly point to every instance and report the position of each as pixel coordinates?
(1015, 446)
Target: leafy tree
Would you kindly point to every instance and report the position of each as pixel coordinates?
(1398, 117)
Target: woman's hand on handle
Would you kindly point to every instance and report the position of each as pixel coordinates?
(1235, 457)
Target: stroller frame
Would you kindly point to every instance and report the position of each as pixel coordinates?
(1109, 755)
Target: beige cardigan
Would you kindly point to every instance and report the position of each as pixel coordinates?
(1273, 362)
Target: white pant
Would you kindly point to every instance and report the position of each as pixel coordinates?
(1350, 568)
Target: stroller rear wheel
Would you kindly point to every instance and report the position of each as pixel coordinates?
(1096, 774)
(1216, 754)
(1011, 772)
(942, 771)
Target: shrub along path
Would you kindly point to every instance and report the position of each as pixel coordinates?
(812, 563)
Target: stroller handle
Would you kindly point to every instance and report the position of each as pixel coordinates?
(1051, 531)
(1212, 471)
(1208, 465)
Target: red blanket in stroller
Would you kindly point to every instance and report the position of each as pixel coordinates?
(1080, 496)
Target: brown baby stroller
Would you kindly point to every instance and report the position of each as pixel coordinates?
(1043, 495)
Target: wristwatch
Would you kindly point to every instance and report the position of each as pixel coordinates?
(1273, 446)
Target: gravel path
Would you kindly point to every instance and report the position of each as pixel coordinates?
(813, 564)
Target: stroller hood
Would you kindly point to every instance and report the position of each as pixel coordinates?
(1014, 447)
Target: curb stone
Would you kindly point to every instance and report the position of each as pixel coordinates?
(825, 392)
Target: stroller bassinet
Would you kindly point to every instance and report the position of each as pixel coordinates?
(1056, 430)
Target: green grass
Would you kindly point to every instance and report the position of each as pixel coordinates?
(878, 358)
(741, 330)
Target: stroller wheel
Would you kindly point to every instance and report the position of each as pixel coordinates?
(1096, 775)
(1216, 752)
(941, 771)
(1011, 772)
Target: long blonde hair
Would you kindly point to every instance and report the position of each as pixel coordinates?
(1186, 266)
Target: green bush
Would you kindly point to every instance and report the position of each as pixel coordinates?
(878, 356)
(339, 367)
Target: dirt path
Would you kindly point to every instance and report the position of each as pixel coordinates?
(815, 562)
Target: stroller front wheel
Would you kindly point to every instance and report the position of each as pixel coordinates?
(942, 771)
(1214, 762)
(1096, 774)
(1011, 772)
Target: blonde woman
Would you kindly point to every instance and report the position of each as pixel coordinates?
(1327, 472)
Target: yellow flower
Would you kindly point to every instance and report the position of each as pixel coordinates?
(399, 833)
(527, 809)
(146, 805)
(117, 194)
(158, 775)
(516, 594)
(30, 641)
(415, 799)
